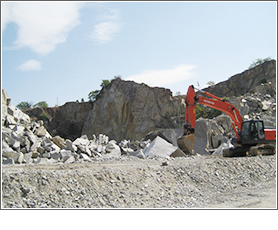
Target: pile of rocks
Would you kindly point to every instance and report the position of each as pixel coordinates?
(257, 105)
(26, 141)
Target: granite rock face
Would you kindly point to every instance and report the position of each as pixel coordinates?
(66, 121)
(248, 81)
(127, 110)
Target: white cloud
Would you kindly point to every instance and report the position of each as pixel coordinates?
(5, 14)
(41, 25)
(105, 31)
(30, 65)
(164, 77)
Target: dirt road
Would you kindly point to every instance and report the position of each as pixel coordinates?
(128, 182)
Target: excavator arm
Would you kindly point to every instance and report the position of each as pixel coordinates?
(216, 103)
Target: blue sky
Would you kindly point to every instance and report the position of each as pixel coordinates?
(61, 51)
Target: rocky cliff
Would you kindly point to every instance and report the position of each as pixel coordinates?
(248, 82)
(127, 110)
(66, 121)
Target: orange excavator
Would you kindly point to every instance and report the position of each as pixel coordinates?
(251, 136)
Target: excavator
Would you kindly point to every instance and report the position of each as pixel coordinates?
(252, 138)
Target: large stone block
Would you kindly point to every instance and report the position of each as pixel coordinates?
(18, 157)
(159, 148)
(65, 154)
(55, 155)
(113, 149)
(7, 161)
(40, 131)
(59, 141)
(70, 146)
(5, 147)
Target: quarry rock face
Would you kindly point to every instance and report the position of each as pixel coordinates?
(248, 81)
(126, 119)
(66, 121)
(127, 110)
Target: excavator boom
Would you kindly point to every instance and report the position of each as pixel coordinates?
(216, 103)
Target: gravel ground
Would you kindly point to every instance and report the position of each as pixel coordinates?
(128, 182)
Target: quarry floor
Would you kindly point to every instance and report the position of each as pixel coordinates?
(195, 182)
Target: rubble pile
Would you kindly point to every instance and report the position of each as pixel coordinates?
(26, 141)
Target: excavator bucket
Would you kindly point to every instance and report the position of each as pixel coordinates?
(186, 143)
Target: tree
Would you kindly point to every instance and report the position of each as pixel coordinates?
(211, 83)
(41, 104)
(94, 95)
(104, 83)
(259, 61)
(24, 105)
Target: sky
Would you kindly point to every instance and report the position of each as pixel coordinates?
(61, 51)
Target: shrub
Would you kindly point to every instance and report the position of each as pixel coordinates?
(259, 61)
(24, 105)
(94, 95)
(41, 104)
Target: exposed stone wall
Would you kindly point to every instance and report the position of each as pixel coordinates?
(66, 121)
(247, 82)
(127, 110)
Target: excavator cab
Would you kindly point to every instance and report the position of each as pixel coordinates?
(252, 132)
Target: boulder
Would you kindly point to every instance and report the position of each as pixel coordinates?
(28, 158)
(202, 133)
(5, 147)
(266, 105)
(55, 155)
(31, 137)
(85, 157)
(70, 145)
(35, 154)
(69, 160)
(65, 154)
(219, 150)
(6, 100)
(159, 148)
(178, 153)
(6, 161)
(9, 120)
(81, 142)
(46, 155)
(113, 149)
(139, 153)
(19, 129)
(18, 157)
(59, 141)
(40, 161)
(40, 131)
(173, 134)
